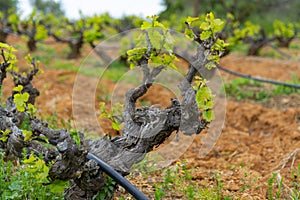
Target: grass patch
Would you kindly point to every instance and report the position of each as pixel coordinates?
(242, 88)
(64, 65)
(18, 183)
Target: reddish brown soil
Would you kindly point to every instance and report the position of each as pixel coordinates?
(256, 138)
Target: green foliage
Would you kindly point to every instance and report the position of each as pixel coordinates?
(4, 135)
(75, 136)
(115, 112)
(295, 194)
(242, 88)
(280, 89)
(34, 24)
(274, 186)
(107, 190)
(283, 30)
(10, 57)
(135, 55)
(20, 99)
(155, 44)
(38, 167)
(27, 135)
(18, 182)
(178, 179)
(204, 99)
(209, 27)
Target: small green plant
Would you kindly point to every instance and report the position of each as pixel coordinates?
(113, 115)
(236, 88)
(75, 136)
(26, 181)
(204, 98)
(275, 186)
(241, 88)
(21, 99)
(295, 194)
(281, 89)
(249, 181)
(4, 135)
(158, 193)
(107, 191)
(178, 180)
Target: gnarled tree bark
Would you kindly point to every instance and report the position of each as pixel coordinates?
(144, 128)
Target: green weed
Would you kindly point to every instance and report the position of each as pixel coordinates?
(178, 181)
(107, 191)
(19, 183)
(280, 89)
(295, 193)
(241, 88)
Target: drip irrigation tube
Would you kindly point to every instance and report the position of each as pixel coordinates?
(118, 178)
(258, 79)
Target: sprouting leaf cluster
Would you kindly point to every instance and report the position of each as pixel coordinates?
(8, 56)
(20, 99)
(112, 115)
(37, 166)
(4, 135)
(284, 30)
(17, 183)
(204, 98)
(206, 30)
(155, 45)
(250, 30)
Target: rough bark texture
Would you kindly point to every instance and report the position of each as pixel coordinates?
(144, 128)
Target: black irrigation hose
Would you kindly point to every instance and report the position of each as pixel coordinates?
(118, 178)
(258, 79)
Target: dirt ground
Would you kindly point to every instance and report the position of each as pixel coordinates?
(257, 138)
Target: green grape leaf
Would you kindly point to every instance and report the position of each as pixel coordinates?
(205, 35)
(7, 47)
(27, 135)
(208, 115)
(20, 101)
(218, 25)
(28, 58)
(41, 33)
(205, 26)
(31, 110)
(4, 136)
(58, 186)
(30, 160)
(19, 88)
(189, 33)
(191, 19)
(210, 65)
(214, 58)
(146, 25)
